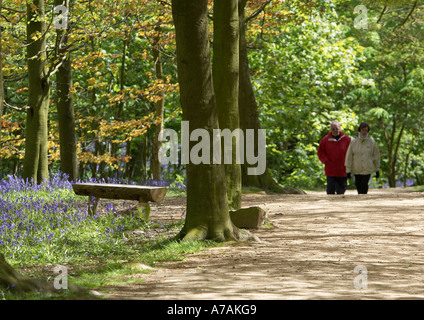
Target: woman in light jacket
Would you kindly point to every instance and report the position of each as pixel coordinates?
(362, 159)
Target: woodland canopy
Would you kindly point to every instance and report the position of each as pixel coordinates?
(107, 79)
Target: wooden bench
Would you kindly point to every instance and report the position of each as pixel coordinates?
(142, 194)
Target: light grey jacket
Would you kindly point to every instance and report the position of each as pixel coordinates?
(363, 156)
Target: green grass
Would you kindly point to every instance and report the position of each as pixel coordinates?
(54, 228)
(101, 276)
(416, 189)
(49, 228)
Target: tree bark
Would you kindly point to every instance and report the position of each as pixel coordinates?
(207, 215)
(65, 105)
(13, 280)
(18, 283)
(160, 104)
(36, 161)
(249, 114)
(226, 86)
(392, 145)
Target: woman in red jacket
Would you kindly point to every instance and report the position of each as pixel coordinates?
(332, 152)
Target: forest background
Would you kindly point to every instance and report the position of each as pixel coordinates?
(108, 76)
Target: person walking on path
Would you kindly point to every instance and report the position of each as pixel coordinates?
(332, 152)
(362, 159)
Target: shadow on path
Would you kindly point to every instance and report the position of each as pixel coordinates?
(310, 252)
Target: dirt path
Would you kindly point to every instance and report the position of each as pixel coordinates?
(310, 253)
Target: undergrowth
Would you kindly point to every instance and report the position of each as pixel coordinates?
(42, 226)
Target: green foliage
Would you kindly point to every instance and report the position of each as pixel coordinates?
(114, 78)
(303, 73)
(393, 101)
(307, 74)
(309, 65)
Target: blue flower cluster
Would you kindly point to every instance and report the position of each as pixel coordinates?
(15, 184)
(27, 219)
(47, 221)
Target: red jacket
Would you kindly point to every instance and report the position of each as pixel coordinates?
(332, 153)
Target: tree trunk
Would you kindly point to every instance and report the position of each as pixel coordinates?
(226, 86)
(160, 104)
(207, 215)
(248, 108)
(18, 283)
(405, 170)
(11, 279)
(65, 105)
(36, 161)
(122, 78)
(392, 144)
(249, 115)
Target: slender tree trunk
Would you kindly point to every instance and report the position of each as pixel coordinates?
(405, 170)
(120, 113)
(65, 105)
(392, 157)
(36, 161)
(207, 215)
(226, 85)
(248, 108)
(392, 144)
(126, 41)
(96, 168)
(160, 104)
(249, 114)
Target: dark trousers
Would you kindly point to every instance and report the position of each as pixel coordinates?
(336, 185)
(361, 183)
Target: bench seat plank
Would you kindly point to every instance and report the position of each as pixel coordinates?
(120, 191)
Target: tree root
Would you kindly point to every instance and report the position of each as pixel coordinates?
(202, 232)
(15, 282)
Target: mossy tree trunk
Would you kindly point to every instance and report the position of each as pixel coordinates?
(207, 215)
(226, 86)
(160, 105)
(65, 104)
(16, 282)
(11, 279)
(36, 161)
(249, 113)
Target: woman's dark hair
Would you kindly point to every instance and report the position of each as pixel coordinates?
(364, 125)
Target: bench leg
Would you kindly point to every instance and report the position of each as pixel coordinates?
(92, 205)
(143, 210)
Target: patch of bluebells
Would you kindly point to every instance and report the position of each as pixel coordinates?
(27, 220)
(60, 181)
(15, 184)
(400, 183)
(29, 223)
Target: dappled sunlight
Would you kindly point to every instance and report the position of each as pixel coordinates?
(310, 253)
